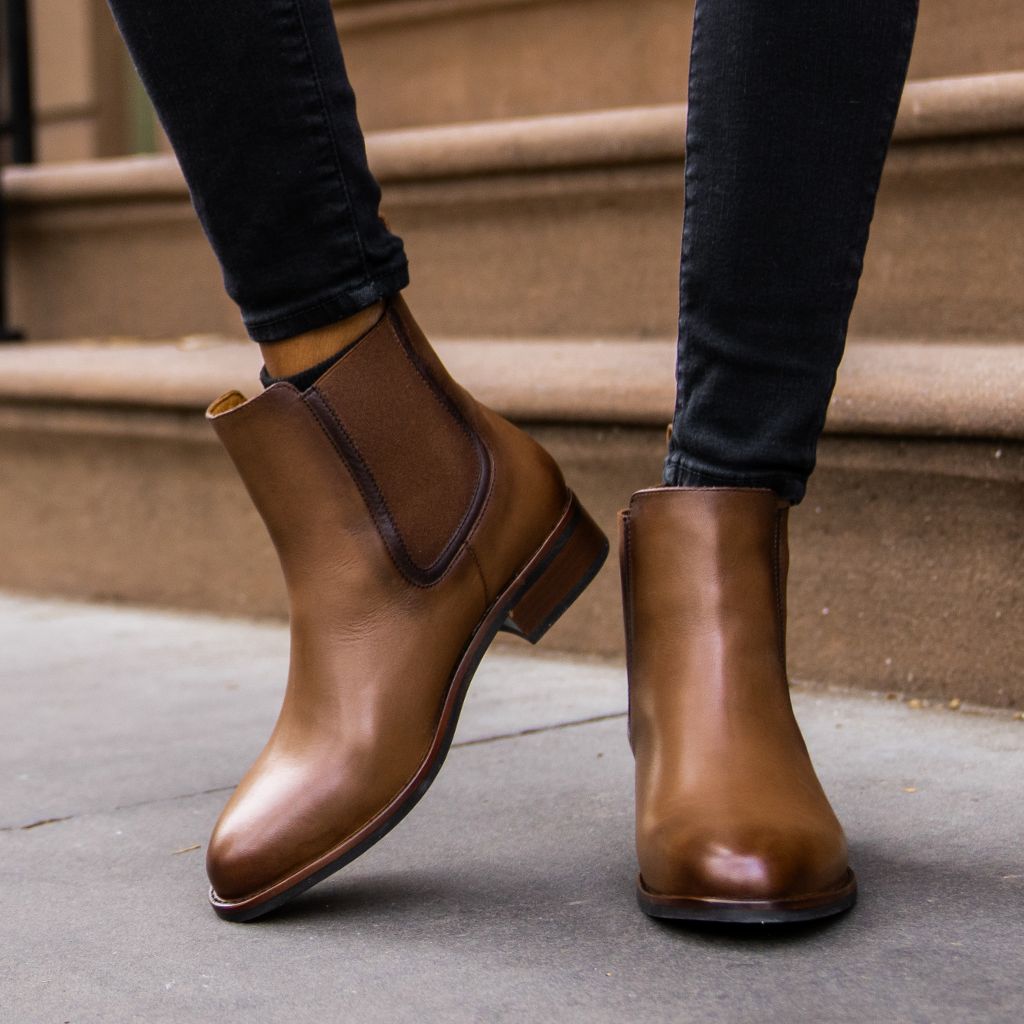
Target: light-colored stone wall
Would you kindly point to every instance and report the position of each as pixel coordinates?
(419, 62)
(82, 81)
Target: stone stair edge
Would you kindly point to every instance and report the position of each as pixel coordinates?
(958, 390)
(932, 109)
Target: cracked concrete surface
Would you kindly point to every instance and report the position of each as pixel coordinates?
(506, 895)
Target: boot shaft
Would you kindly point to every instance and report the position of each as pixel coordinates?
(389, 414)
(704, 581)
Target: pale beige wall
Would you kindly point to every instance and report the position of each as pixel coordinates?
(81, 80)
(418, 62)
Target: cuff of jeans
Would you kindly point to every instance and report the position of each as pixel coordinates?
(680, 472)
(328, 309)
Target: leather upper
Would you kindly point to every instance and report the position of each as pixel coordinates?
(396, 525)
(728, 805)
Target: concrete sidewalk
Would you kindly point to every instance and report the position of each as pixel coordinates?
(506, 895)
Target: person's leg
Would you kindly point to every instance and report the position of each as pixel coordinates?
(258, 108)
(411, 523)
(791, 108)
(792, 104)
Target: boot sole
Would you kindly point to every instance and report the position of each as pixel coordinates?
(705, 910)
(559, 571)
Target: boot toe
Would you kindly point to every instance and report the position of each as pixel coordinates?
(240, 862)
(764, 864)
(271, 827)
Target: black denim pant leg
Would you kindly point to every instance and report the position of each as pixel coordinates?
(791, 109)
(256, 102)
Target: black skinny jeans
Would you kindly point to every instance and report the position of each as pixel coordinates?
(791, 110)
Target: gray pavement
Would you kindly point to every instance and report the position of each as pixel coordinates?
(506, 895)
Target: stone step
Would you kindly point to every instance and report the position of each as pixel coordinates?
(557, 226)
(421, 62)
(908, 562)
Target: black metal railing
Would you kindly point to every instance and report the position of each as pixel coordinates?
(17, 125)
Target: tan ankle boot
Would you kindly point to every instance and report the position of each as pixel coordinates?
(412, 524)
(731, 821)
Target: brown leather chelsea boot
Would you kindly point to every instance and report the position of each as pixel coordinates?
(732, 824)
(412, 524)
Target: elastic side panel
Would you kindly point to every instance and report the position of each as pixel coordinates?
(418, 464)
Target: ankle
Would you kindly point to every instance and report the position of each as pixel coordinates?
(292, 356)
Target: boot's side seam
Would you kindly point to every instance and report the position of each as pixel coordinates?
(480, 573)
(626, 570)
(780, 621)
